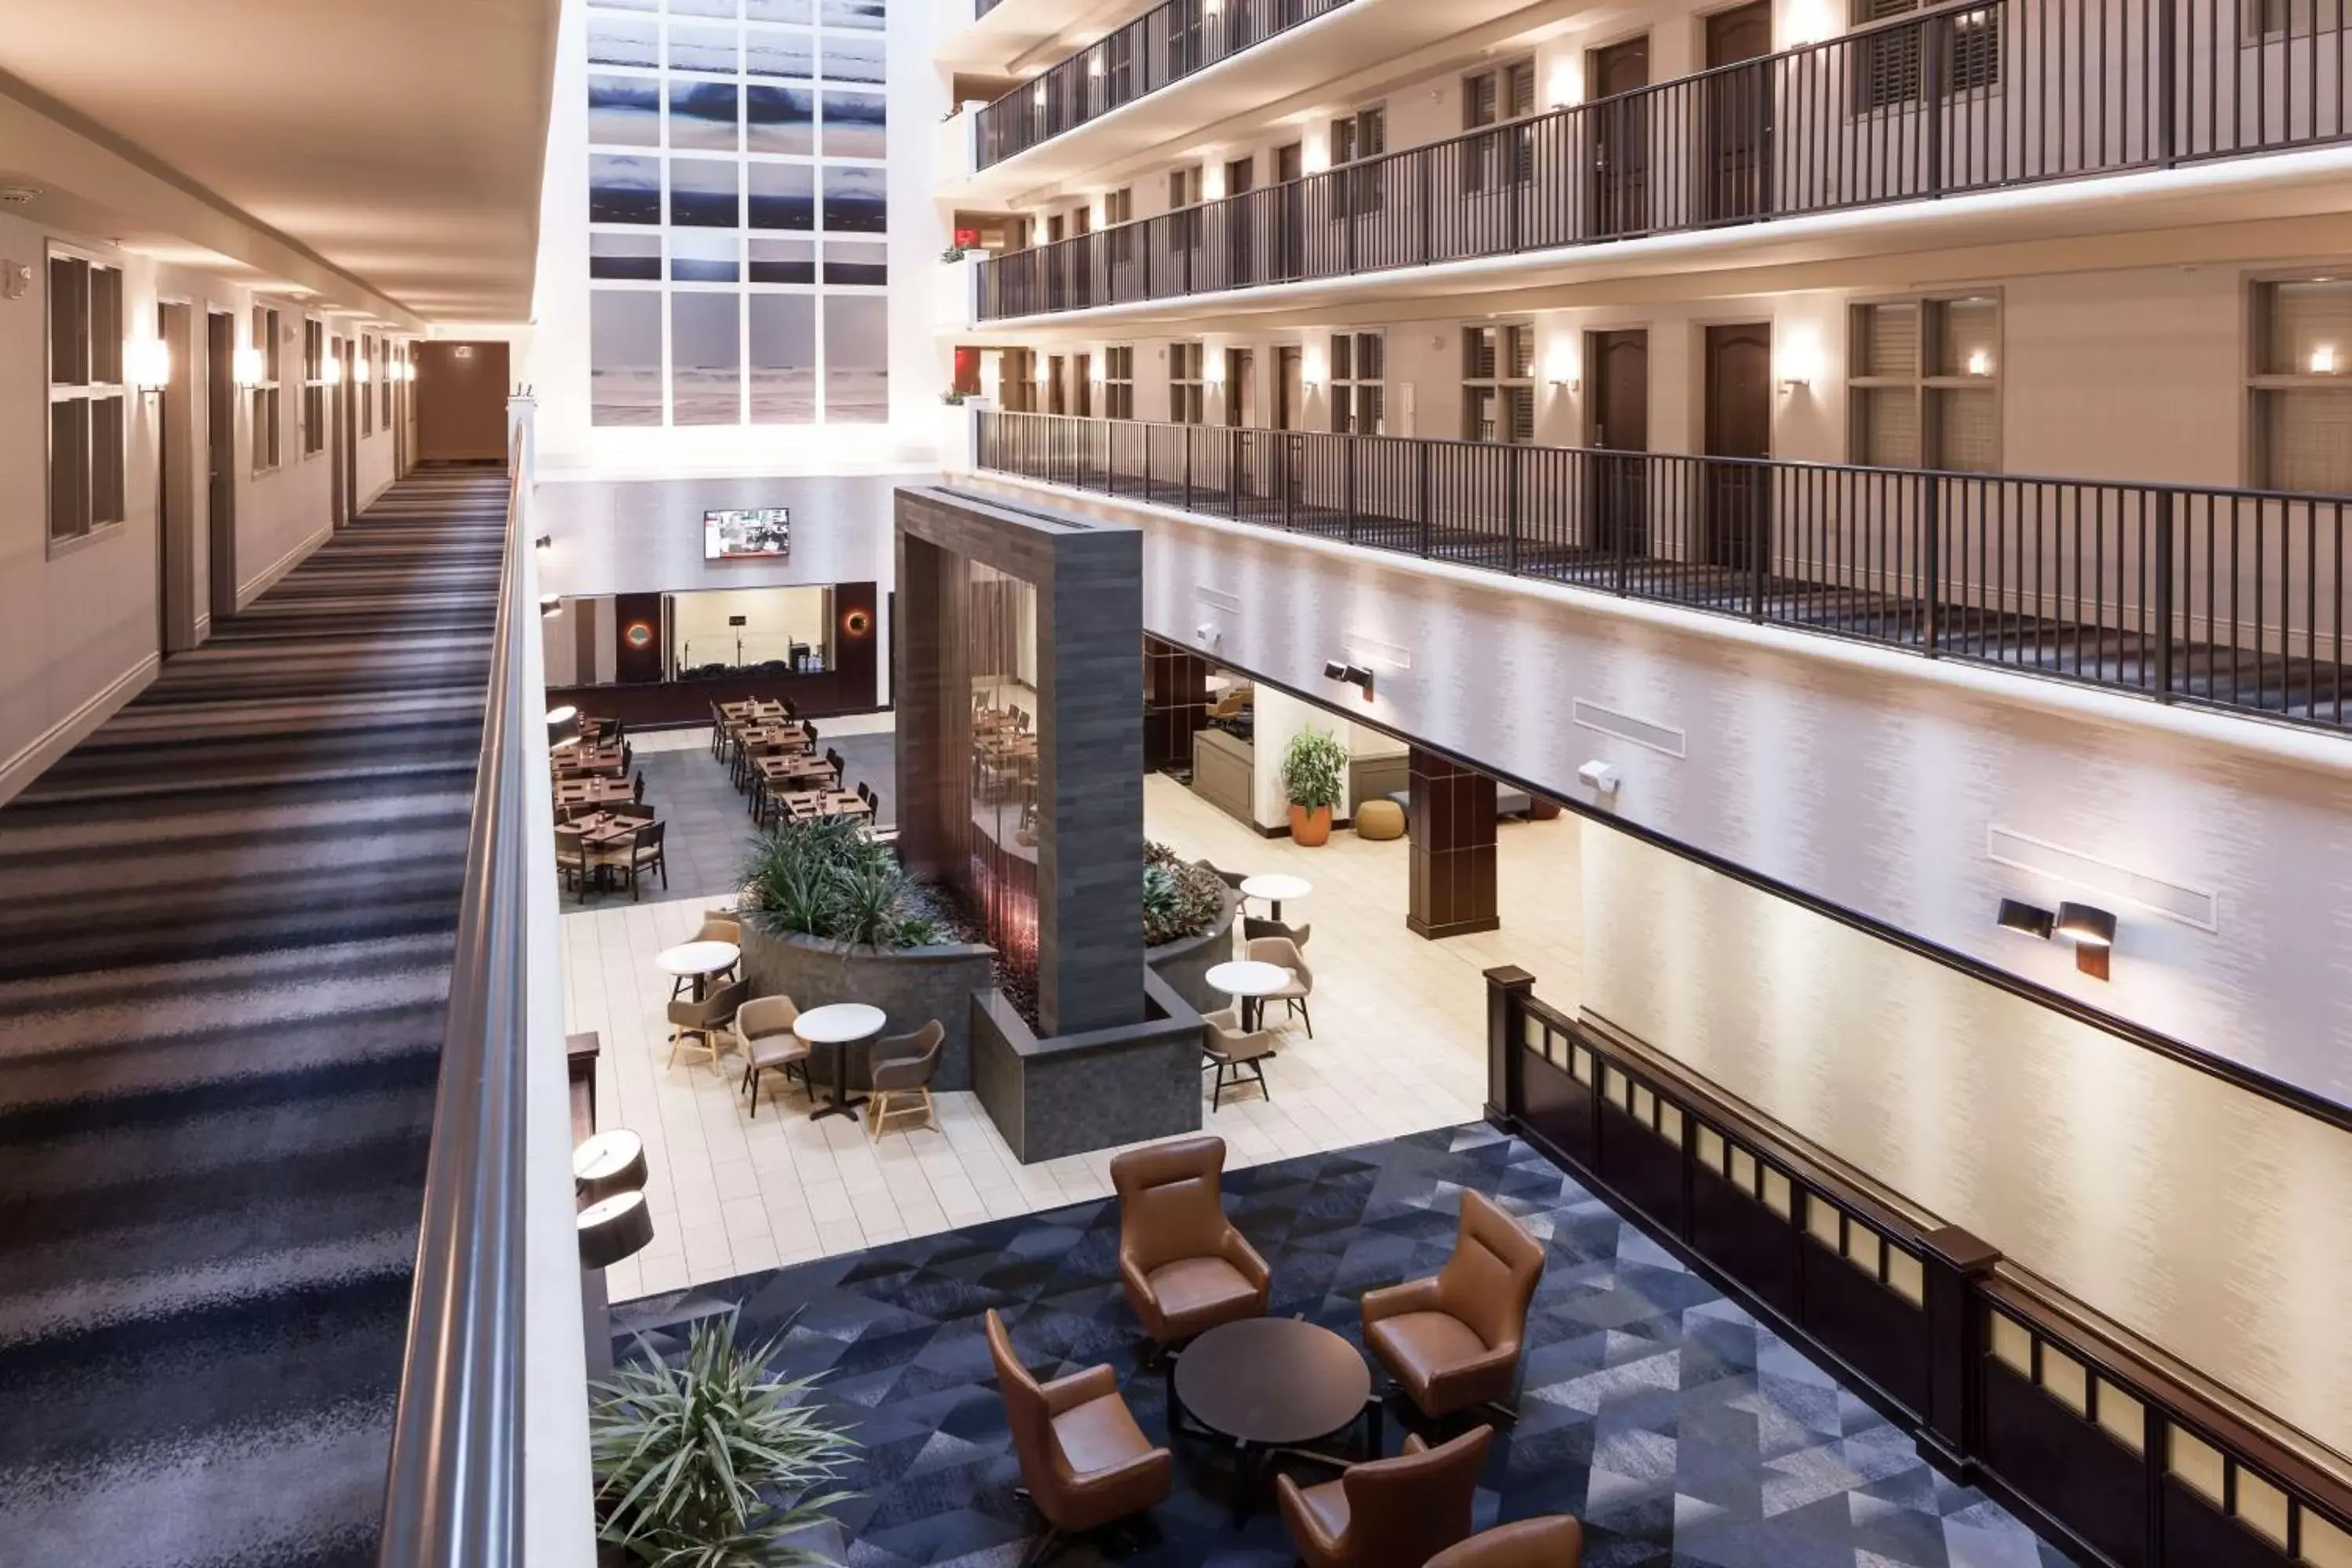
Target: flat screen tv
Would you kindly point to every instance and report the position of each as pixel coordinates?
(752, 533)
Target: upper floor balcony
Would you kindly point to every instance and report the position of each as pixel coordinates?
(1184, 65)
(1960, 100)
(2227, 598)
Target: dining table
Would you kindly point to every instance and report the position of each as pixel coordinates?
(580, 757)
(807, 804)
(594, 791)
(794, 767)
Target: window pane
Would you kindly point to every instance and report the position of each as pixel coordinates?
(2307, 438)
(623, 189)
(1966, 338)
(68, 468)
(624, 366)
(68, 321)
(783, 358)
(702, 194)
(782, 196)
(702, 115)
(624, 111)
(1889, 436)
(106, 460)
(1889, 341)
(856, 360)
(1968, 429)
(780, 119)
(2309, 329)
(106, 325)
(705, 360)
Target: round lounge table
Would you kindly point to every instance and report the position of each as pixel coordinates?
(1274, 888)
(1247, 981)
(698, 962)
(840, 1025)
(1272, 1386)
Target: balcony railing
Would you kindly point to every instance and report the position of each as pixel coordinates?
(2232, 598)
(1962, 98)
(1166, 44)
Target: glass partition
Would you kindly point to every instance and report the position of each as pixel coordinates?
(1001, 653)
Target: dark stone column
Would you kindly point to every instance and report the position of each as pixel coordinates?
(1452, 821)
(1175, 703)
(857, 639)
(934, 704)
(1507, 989)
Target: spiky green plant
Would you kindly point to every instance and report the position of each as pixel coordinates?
(828, 880)
(712, 1464)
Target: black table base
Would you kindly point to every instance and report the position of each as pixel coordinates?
(1253, 1462)
(841, 1104)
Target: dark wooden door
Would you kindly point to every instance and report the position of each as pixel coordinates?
(1738, 425)
(1618, 421)
(1240, 215)
(1241, 389)
(1289, 173)
(220, 457)
(1058, 400)
(1736, 147)
(1620, 130)
(1082, 386)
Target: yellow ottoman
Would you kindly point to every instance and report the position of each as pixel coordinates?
(1379, 819)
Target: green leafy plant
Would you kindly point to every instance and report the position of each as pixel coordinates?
(827, 879)
(1312, 768)
(954, 253)
(1181, 897)
(715, 1463)
(953, 398)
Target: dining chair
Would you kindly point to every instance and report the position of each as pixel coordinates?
(1237, 1055)
(645, 855)
(1281, 951)
(764, 1029)
(901, 1066)
(637, 790)
(571, 857)
(707, 1021)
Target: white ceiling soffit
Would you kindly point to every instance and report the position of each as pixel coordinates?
(389, 154)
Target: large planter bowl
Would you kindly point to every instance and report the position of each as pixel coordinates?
(911, 985)
(1310, 829)
(1184, 964)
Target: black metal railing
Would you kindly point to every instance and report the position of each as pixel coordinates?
(453, 1486)
(2235, 598)
(1963, 98)
(1166, 44)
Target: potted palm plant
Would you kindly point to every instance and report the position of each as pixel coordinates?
(715, 1464)
(1312, 768)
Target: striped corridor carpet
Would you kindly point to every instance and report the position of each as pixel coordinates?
(226, 924)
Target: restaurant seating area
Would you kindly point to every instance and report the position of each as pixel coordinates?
(1011, 1405)
(607, 839)
(771, 755)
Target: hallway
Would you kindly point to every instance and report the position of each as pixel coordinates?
(226, 922)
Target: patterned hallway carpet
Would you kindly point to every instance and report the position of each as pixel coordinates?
(1679, 1429)
(226, 924)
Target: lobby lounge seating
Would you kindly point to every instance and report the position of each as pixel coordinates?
(763, 1032)
(1554, 1541)
(1389, 1513)
(1253, 928)
(900, 1068)
(1237, 1057)
(1452, 1342)
(700, 1026)
(1184, 1267)
(1084, 1460)
(1281, 951)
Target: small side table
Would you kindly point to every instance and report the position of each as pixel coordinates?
(1274, 888)
(698, 962)
(1246, 981)
(840, 1025)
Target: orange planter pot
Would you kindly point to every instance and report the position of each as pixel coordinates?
(1310, 827)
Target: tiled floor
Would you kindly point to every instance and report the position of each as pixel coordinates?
(1681, 1431)
(1399, 1026)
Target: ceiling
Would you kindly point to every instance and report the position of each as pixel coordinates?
(397, 141)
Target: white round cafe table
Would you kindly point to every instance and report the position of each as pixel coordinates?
(1274, 888)
(839, 1024)
(697, 961)
(1246, 980)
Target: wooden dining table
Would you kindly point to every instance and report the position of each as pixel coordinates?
(786, 769)
(805, 803)
(592, 791)
(792, 737)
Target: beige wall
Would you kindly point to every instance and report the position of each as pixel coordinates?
(80, 623)
(2205, 1217)
(461, 400)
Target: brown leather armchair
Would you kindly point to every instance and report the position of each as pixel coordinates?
(1451, 1343)
(1082, 1458)
(1390, 1513)
(1185, 1268)
(1554, 1541)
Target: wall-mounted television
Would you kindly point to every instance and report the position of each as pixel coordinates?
(747, 534)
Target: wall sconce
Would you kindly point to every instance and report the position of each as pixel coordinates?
(1566, 87)
(2323, 361)
(549, 603)
(359, 371)
(1800, 364)
(1212, 366)
(148, 362)
(2091, 929)
(1351, 674)
(1038, 94)
(332, 372)
(544, 540)
(1808, 22)
(1979, 361)
(1316, 158)
(244, 367)
(1559, 369)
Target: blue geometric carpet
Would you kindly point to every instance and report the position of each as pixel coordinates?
(226, 923)
(1681, 1431)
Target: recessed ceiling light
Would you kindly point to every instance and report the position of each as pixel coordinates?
(18, 194)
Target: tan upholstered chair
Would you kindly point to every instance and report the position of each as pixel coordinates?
(1451, 1343)
(1390, 1513)
(1554, 1541)
(1254, 928)
(1084, 1460)
(763, 1032)
(900, 1068)
(1282, 952)
(705, 1023)
(1236, 1056)
(1184, 1267)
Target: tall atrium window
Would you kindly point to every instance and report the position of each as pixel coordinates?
(86, 395)
(738, 256)
(1497, 97)
(1499, 383)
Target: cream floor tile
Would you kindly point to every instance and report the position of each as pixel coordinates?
(1398, 1046)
